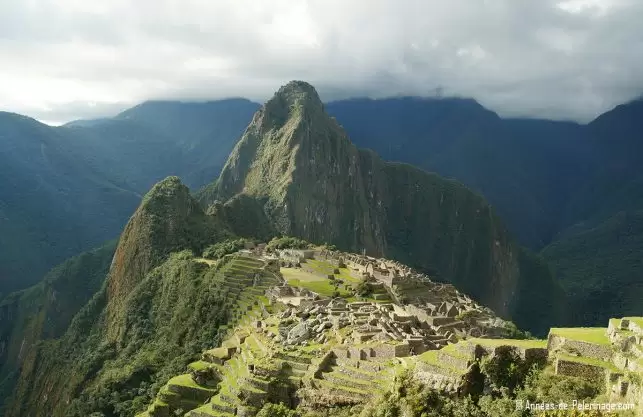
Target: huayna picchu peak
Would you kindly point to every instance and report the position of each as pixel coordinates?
(306, 179)
(311, 279)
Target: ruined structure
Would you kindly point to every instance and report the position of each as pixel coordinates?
(613, 355)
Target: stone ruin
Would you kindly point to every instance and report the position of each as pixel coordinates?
(611, 355)
(425, 314)
(384, 324)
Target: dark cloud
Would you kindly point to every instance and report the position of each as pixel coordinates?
(571, 59)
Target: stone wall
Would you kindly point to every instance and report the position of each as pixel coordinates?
(324, 363)
(577, 369)
(390, 351)
(586, 349)
(534, 354)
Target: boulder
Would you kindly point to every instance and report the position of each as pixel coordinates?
(298, 334)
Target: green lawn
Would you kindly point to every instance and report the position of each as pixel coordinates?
(200, 366)
(596, 335)
(327, 268)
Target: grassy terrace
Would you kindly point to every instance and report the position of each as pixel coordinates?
(186, 380)
(200, 366)
(312, 282)
(596, 335)
(637, 320)
(523, 344)
(326, 268)
(430, 357)
(589, 361)
(324, 287)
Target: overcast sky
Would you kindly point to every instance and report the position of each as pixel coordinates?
(68, 59)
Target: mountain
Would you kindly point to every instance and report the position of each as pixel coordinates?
(52, 204)
(296, 170)
(600, 267)
(142, 321)
(64, 190)
(45, 311)
(599, 257)
(168, 220)
(156, 139)
(571, 191)
(525, 168)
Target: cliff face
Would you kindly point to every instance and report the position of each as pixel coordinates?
(298, 165)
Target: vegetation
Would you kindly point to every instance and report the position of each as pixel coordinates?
(219, 250)
(287, 242)
(171, 317)
(45, 311)
(364, 289)
(276, 410)
(409, 398)
(52, 205)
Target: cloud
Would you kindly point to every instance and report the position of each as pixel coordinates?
(570, 59)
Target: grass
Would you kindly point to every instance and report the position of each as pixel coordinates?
(596, 335)
(452, 350)
(186, 380)
(319, 285)
(327, 268)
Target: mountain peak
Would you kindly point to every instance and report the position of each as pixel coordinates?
(297, 90)
(296, 96)
(169, 188)
(169, 219)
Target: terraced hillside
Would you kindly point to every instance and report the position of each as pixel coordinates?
(613, 355)
(292, 346)
(242, 282)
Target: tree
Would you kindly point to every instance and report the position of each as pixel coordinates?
(276, 410)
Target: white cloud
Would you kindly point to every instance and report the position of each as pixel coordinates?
(568, 59)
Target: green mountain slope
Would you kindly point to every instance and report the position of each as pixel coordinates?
(142, 323)
(44, 312)
(52, 205)
(205, 132)
(296, 170)
(600, 267)
(65, 190)
(155, 139)
(525, 168)
(598, 259)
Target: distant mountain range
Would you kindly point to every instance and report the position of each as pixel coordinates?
(569, 191)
